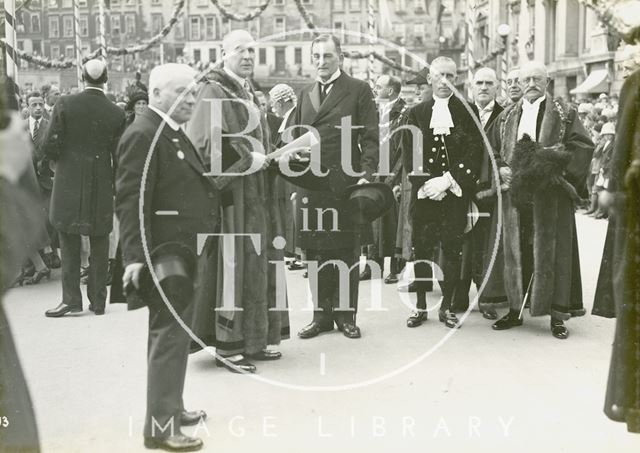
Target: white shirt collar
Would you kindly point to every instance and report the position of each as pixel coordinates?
(285, 118)
(170, 121)
(487, 108)
(535, 104)
(331, 79)
(32, 123)
(95, 88)
(241, 80)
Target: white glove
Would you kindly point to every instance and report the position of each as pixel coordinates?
(132, 274)
(434, 188)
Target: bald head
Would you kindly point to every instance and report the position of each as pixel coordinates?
(485, 86)
(534, 80)
(238, 51)
(94, 72)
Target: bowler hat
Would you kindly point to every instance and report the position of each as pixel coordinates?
(174, 266)
(308, 180)
(368, 201)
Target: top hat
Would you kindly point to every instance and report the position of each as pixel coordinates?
(174, 266)
(308, 180)
(368, 201)
(420, 78)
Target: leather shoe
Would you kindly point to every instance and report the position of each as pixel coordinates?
(61, 310)
(391, 278)
(558, 329)
(416, 318)
(366, 274)
(490, 314)
(350, 330)
(239, 365)
(265, 354)
(296, 265)
(96, 311)
(449, 319)
(179, 442)
(190, 418)
(413, 287)
(313, 329)
(508, 321)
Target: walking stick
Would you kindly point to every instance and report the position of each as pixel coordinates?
(526, 296)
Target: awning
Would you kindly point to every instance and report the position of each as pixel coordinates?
(596, 82)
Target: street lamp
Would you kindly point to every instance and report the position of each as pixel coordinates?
(503, 31)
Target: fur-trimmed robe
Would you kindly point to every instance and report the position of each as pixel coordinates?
(249, 206)
(556, 289)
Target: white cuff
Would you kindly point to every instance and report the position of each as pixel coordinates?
(454, 188)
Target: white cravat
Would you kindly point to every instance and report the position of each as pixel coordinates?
(529, 119)
(441, 121)
(485, 113)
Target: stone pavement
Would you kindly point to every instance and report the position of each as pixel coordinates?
(409, 390)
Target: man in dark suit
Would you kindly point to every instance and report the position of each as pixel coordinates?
(175, 182)
(38, 126)
(442, 186)
(323, 105)
(81, 141)
(475, 248)
(392, 112)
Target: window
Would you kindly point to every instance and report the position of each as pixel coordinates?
(279, 24)
(67, 3)
(297, 55)
(67, 26)
(55, 52)
(401, 5)
(82, 2)
(83, 22)
(156, 2)
(157, 22)
(418, 4)
(211, 27)
(196, 55)
(306, 2)
(53, 4)
(35, 23)
(213, 54)
(354, 26)
(338, 5)
(262, 55)
(418, 30)
(278, 2)
(115, 2)
(178, 28)
(339, 30)
(115, 24)
(194, 28)
(253, 27)
(130, 24)
(69, 52)
(354, 5)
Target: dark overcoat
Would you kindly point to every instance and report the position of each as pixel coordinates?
(348, 97)
(82, 140)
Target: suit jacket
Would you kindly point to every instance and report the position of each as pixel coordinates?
(40, 160)
(348, 97)
(175, 181)
(82, 140)
(460, 154)
(397, 117)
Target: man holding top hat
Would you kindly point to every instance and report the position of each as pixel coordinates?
(442, 185)
(326, 229)
(179, 203)
(81, 142)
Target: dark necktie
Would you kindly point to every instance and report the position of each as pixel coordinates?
(36, 128)
(324, 91)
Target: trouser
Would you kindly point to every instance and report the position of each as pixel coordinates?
(99, 263)
(452, 259)
(167, 353)
(326, 297)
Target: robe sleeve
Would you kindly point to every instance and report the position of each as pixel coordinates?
(578, 142)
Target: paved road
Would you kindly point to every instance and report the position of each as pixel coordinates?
(477, 391)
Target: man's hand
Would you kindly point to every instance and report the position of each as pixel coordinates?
(505, 175)
(396, 191)
(436, 186)
(293, 196)
(132, 275)
(300, 155)
(362, 181)
(261, 159)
